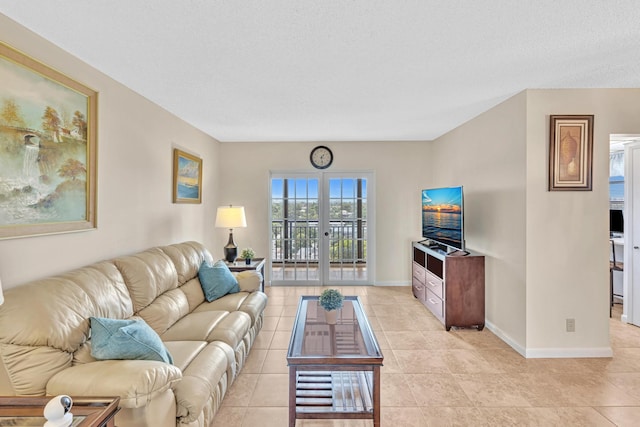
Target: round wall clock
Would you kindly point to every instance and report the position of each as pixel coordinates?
(321, 157)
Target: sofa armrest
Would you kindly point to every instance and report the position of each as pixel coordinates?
(136, 381)
(249, 280)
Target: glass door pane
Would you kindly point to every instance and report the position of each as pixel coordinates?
(347, 223)
(295, 244)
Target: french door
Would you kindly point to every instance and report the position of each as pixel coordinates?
(321, 228)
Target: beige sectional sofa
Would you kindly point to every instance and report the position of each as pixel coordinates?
(45, 343)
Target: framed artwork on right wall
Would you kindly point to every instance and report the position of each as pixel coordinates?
(571, 153)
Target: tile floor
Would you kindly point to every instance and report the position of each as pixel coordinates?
(436, 378)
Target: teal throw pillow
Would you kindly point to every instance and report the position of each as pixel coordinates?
(126, 339)
(217, 280)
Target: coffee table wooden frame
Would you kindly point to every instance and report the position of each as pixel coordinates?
(345, 386)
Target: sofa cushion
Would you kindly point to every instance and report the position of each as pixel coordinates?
(54, 311)
(147, 275)
(27, 369)
(217, 280)
(214, 365)
(249, 280)
(184, 352)
(252, 303)
(136, 381)
(187, 257)
(194, 326)
(193, 292)
(232, 329)
(165, 310)
(126, 339)
(230, 302)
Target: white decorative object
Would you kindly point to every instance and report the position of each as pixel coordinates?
(1, 296)
(58, 412)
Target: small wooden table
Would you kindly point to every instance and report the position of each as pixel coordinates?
(87, 411)
(334, 369)
(257, 264)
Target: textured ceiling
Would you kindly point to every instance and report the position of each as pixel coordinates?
(341, 70)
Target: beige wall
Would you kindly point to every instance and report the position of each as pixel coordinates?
(135, 145)
(567, 232)
(487, 156)
(547, 252)
(401, 170)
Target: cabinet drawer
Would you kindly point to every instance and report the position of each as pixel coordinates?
(419, 273)
(434, 284)
(435, 305)
(418, 290)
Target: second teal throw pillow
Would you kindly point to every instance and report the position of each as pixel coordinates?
(217, 280)
(126, 339)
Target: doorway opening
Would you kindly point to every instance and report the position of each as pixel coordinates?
(624, 213)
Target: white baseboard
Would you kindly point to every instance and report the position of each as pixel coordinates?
(534, 353)
(506, 338)
(537, 353)
(378, 283)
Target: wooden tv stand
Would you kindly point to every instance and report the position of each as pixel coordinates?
(450, 286)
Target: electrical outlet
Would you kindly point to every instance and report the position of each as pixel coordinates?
(571, 325)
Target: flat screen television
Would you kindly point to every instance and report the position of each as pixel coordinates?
(443, 216)
(616, 222)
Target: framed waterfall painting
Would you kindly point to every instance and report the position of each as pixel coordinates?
(187, 178)
(48, 155)
(570, 153)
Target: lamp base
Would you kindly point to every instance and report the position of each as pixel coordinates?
(230, 249)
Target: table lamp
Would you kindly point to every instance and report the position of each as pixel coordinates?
(230, 217)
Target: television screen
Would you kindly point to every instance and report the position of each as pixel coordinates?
(443, 216)
(616, 221)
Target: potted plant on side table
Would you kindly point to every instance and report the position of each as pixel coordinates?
(247, 254)
(331, 300)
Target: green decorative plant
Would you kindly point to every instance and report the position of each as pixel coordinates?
(331, 299)
(247, 253)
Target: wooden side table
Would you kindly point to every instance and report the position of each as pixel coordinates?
(257, 264)
(87, 412)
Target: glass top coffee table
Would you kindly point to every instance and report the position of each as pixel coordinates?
(334, 369)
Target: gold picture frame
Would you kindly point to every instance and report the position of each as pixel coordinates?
(48, 149)
(187, 177)
(571, 153)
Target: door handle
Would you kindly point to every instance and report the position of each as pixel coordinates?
(635, 247)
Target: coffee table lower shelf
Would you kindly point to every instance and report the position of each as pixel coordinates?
(334, 394)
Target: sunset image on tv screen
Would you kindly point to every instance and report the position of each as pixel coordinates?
(442, 215)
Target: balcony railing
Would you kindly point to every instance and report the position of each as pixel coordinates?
(298, 241)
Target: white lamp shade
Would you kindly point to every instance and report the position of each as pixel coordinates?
(1, 296)
(231, 217)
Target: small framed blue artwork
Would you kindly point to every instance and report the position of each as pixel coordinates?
(187, 178)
